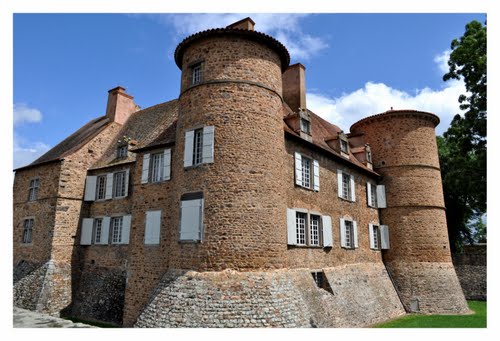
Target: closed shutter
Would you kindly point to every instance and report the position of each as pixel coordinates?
(153, 227)
(109, 186)
(316, 175)
(339, 182)
(326, 222)
(127, 176)
(381, 200)
(298, 169)
(384, 237)
(188, 148)
(370, 233)
(291, 227)
(342, 233)
(167, 157)
(90, 186)
(86, 235)
(355, 233)
(208, 144)
(126, 229)
(191, 219)
(145, 169)
(369, 193)
(353, 189)
(105, 230)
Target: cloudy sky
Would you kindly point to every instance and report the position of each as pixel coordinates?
(356, 65)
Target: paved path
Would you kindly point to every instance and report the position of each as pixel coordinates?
(31, 319)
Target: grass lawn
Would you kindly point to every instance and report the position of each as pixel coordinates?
(476, 320)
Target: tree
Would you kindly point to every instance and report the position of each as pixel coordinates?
(462, 149)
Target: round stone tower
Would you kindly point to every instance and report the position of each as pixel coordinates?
(403, 144)
(231, 81)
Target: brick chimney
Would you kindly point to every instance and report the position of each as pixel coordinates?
(243, 24)
(120, 105)
(294, 86)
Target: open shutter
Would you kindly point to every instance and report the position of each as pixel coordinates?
(86, 235)
(126, 229)
(381, 201)
(384, 237)
(145, 169)
(370, 233)
(291, 228)
(369, 194)
(127, 176)
(167, 157)
(326, 222)
(339, 182)
(208, 144)
(353, 189)
(90, 186)
(342, 233)
(109, 186)
(105, 230)
(298, 169)
(153, 224)
(191, 219)
(316, 175)
(188, 148)
(355, 233)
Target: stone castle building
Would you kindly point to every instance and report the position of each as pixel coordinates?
(235, 206)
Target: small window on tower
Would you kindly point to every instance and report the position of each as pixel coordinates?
(196, 73)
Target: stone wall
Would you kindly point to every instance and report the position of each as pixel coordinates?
(470, 266)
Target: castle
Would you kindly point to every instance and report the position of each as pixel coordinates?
(235, 206)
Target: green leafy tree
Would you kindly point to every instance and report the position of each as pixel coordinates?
(462, 149)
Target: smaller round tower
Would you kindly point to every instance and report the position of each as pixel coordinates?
(403, 143)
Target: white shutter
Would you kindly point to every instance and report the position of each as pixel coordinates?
(370, 233)
(208, 144)
(384, 237)
(167, 157)
(381, 201)
(188, 148)
(339, 182)
(153, 226)
(326, 222)
(126, 229)
(291, 226)
(342, 233)
(369, 193)
(353, 189)
(109, 186)
(90, 186)
(127, 176)
(86, 235)
(298, 169)
(316, 175)
(145, 169)
(191, 219)
(105, 230)
(355, 233)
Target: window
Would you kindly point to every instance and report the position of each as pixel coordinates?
(157, 167)
(306, 172)
(153, 225)
(349, 237)
(344, 146)
(119, 184)
(122, 151)
(191, 228)
(28, 230)
(98, 230)
(301, 228)
(346, 186)
(346, 190)
(314, 228)
(348, 233)
(33, 189)
(117, 230)
(199, 146)
(321, 281)
(101, 187)
(196, 73)
(310, 229)
(371, 192)
(305, 126)
(374, 232)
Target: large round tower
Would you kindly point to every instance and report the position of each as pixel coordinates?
(403, 143)
(231, 81)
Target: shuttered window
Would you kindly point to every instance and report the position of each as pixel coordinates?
(119, 181)
(348, 233)
(153, 225)
(199, 146)
(301, 219)
(86, 233)
(306, 172)
(117, 230)
(346, 186)
(374, 233)
(314, 227)
(101, 187)
(191, 227)
(97, 230)
(156, 167)
(28, 230)
(308, 229)
(384, 237)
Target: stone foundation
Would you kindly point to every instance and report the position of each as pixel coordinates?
(471, 271)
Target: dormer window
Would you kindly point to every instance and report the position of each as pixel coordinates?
(196, 73)
(122, 151)
(305, 126)
(344, 144)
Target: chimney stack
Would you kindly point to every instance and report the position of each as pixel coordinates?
(120, 105)
(294, 86)
(243, 24)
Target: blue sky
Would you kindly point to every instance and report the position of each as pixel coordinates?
(356, 65)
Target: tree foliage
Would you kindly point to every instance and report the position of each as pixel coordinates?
(462, 149)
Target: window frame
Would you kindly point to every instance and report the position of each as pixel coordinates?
(100, 186)
(305, 126)
(121, 185)
(97, 230)
(346, 186)
(376, 237)
(197, 151)
(307, 229)
(116, 229)
(307, 171)
(160, 164)
(349, 234)
(33, 189)
(196, 73)
(28, 224)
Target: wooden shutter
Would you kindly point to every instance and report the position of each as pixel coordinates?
(126, 229)
(188, 148)
(381, 200)
(326, 222)
(86, 235)
(208, 144)
(145, 168)
(298, 169)
(369, 193)
(353, 189)
(105, 230)
(167, 157)
(153, 227)
(291, 226)
(109, 186)
(339, 182)
(342, 233)
(191, 219)
(90, 186)
(370, 233)
(316, 175)
(127, 176)
(355, 233)
(384, 237)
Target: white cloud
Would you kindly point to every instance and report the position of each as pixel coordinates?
(442, 61)
(26, 151)
(24, 114)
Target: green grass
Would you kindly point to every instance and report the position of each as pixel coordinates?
(476, 320)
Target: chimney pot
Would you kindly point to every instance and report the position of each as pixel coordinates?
(294, 87)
